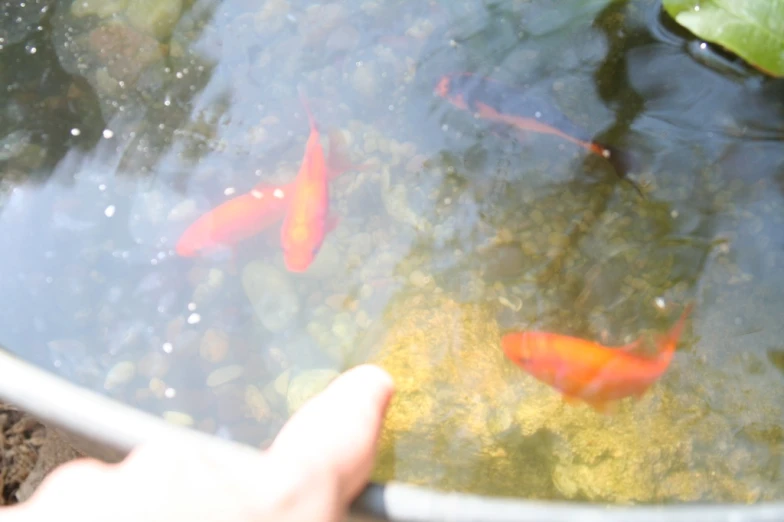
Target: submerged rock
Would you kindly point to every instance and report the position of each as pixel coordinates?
(271, 294)
(155, 17)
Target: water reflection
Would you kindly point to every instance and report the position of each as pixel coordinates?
(128, 122)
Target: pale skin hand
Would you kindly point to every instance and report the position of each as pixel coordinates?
(319, 462)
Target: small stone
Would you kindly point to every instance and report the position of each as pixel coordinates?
(155, 17)
(307, 384)
(157, 387)
(214, 346)
(364, 80)
(365, 291)
(337, 301)
(281, 383)
(177, 417)
(415, 164)
(511, 302)
(257, 405)
(343, 327)
(154, 364)
(100, 8)
(419, 279)
(363, 319)
(269, 290)
(121, 373)
(224, 375)
(184, 211)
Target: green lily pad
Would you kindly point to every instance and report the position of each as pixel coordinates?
(752, 29)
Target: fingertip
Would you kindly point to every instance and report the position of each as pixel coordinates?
(367, 376)
(335, 433)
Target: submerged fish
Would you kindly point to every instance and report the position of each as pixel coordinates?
(590, 372)
(235, 220)
(499, 103)
(308, 220)
(249, 214)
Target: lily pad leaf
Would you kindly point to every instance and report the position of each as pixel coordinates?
(752, 29)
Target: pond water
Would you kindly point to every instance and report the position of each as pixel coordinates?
(124, 121)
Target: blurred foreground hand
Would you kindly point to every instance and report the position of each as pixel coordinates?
(319, 462)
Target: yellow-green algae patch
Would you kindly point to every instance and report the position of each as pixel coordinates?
(465, 419)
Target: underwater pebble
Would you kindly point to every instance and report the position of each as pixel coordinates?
(416, 164)
(365, 291)
(364, 81)
(361, 244)
(177, 417)
(121, 373)
(336, 301)
(214, 346)
(512, 302)
(281, 383)
(155, 17)
(185, 210)
(343, 327)
(419, 279)
(207, 290)
(272, 16)
(224, 375)
(269, 291)
(154, 364)
(157, 387)
(257, 405)
(363, 319)
(306, 385)
(99, 8)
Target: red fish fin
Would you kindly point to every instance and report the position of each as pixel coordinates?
(675, 332)
(339, 161)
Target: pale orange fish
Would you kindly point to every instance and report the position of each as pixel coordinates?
(590, 372)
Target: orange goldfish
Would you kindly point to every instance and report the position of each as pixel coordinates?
(590, 372)
(251, 213)
(499, 103)
(235, 220)
(308, 220)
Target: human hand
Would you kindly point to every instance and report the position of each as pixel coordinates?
(319, 462)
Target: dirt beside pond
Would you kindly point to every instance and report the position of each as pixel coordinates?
(21, 439)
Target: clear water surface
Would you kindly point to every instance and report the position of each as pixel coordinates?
(123, 121)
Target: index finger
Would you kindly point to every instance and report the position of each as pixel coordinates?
(336, 432)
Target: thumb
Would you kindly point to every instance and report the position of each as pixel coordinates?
(336, 432)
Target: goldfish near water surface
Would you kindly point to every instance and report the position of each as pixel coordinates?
(307, 219)
(587, 371)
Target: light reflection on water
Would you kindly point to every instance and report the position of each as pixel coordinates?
(121, 129)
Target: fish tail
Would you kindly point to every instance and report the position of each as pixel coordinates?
(303, 99)
(669, 341)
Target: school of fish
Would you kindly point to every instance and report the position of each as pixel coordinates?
(581, 370)
(302, 205)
